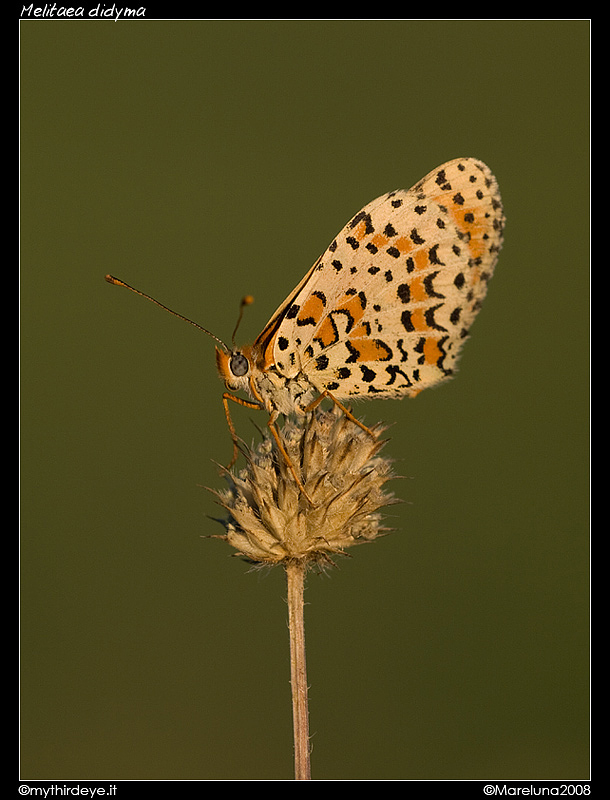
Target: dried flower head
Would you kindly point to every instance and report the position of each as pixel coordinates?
(271, 522)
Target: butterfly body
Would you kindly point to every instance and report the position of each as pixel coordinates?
(386, 309)
(266, 386)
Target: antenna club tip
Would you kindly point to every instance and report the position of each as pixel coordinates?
(248, 300)
(112, 279)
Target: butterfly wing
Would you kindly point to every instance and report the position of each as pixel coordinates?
(388, 306)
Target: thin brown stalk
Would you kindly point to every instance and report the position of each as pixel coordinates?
(295, 578)
(271, 521)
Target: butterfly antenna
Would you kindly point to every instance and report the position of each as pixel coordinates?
(117, 282)
(246, 301)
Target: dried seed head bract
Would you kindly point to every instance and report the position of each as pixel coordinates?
(270, 520)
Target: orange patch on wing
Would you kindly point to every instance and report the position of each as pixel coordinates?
(312, 308)
(370, 349)
(360, 333)
(403, 244)
(466, 221)
(360, 230)
(477, 245)
(379, 240)
(418, 320)
(421, 259)
(432, 352)
(327, 333)
(417, 291)
(354, 308)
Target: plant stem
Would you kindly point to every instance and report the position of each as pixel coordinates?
(295, 577)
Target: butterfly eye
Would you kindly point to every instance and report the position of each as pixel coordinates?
(239, 365)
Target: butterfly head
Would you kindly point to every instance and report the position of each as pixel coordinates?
(235, 367)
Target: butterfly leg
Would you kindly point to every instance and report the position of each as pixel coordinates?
(274, 431)
(248, 404)
(343, 408)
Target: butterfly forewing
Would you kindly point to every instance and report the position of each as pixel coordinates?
(386, 309)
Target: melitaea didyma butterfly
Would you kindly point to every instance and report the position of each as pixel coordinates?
(385, 310)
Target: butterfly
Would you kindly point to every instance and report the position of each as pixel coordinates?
(385, 310)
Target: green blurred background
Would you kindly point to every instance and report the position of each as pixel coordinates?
(203, 160)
